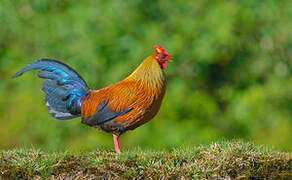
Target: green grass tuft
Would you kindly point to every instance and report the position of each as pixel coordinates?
(218, 160)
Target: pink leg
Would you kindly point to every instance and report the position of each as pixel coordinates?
(116, 141)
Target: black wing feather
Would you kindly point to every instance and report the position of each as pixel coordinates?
(103, 114)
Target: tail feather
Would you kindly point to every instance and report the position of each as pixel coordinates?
(54, 95)
(52, 88)
(59, 69)
(64, 88)
(57, 108)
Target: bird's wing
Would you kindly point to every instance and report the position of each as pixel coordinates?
(103, 114)
(106, 104)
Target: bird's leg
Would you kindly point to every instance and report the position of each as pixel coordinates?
(116, 141)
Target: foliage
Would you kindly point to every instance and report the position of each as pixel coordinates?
(231, 77)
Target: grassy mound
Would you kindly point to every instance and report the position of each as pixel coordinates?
(218, 160)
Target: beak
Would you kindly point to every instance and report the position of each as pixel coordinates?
(170, 60)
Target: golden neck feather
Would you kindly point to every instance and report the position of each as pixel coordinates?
(149, 72)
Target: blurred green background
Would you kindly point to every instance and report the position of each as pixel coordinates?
(231, 78)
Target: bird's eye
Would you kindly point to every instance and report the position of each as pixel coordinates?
(157, 57)
(162, 56)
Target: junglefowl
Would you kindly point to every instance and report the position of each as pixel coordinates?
(115, 109)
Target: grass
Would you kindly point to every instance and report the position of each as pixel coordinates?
(218, 160)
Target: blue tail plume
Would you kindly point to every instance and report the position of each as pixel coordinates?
(64, 88)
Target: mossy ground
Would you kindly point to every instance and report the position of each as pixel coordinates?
(217, 160)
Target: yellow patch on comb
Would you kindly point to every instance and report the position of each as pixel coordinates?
(158, 50)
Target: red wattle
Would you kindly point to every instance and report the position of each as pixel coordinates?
(163, 65)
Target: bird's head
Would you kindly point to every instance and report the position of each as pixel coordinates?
(161, 56)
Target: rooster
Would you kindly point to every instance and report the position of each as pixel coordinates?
(115, 109)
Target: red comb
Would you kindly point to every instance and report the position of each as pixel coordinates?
(158, 49)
